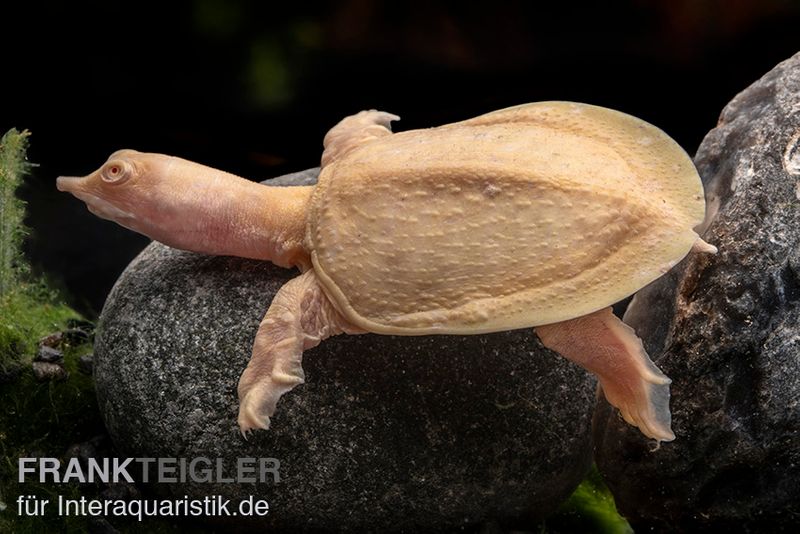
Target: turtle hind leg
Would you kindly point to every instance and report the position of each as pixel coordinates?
(299, 318)
(607, 347)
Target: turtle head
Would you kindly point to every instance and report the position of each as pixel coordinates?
(128, 189)
(110, 190)
(190, 206)
(148, 193)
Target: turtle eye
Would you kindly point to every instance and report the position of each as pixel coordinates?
(115, 171)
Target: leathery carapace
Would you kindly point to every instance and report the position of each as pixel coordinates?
(540, 215)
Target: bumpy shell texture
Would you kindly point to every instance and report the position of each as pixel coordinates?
(525, 216)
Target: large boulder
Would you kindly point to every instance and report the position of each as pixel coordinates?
(387, 434)
(726, 329)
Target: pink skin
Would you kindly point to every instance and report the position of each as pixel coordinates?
(607, 347)
(193, 207)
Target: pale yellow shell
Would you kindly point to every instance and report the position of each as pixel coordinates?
(526, 216)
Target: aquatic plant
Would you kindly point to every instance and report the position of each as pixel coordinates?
(28, 308)
(13, 167)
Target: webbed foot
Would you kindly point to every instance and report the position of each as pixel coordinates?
(607, 347)
(258, 396)
(299, 317)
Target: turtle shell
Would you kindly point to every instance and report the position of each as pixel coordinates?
(525, 216)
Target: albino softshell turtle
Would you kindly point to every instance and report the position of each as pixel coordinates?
(540, 215)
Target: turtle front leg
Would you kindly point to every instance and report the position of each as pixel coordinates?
(299, 318)
(607, 347)
(354, 131)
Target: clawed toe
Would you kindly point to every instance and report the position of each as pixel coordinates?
(258, 402)
(645, 406)
(299, 317)
(631, 382)
(251, 415)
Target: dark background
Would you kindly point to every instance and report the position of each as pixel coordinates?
(252, 87)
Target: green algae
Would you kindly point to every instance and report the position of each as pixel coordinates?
(13, 168)
(42, 419)
(39, 419)
(27, 313)
(589, 509)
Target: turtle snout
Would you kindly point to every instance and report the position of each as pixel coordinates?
(69, 184)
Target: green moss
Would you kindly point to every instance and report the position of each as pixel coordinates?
(43, 419)
(28, 313)
(13, 167)
(38, 418)
(590, 509)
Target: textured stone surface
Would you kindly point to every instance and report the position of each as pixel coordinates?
(387, 434)
(86, 364)
(48, 354)
(46, 371)
(726, 329)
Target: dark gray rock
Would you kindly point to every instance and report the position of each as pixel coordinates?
(52, 340)
(387, 434)
(726, 329)
(48, 354)
(78, 332)
(76, 336)
(46, 371)
(86, 364)
(306, 177)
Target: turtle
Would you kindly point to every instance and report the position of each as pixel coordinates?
(539, 216)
